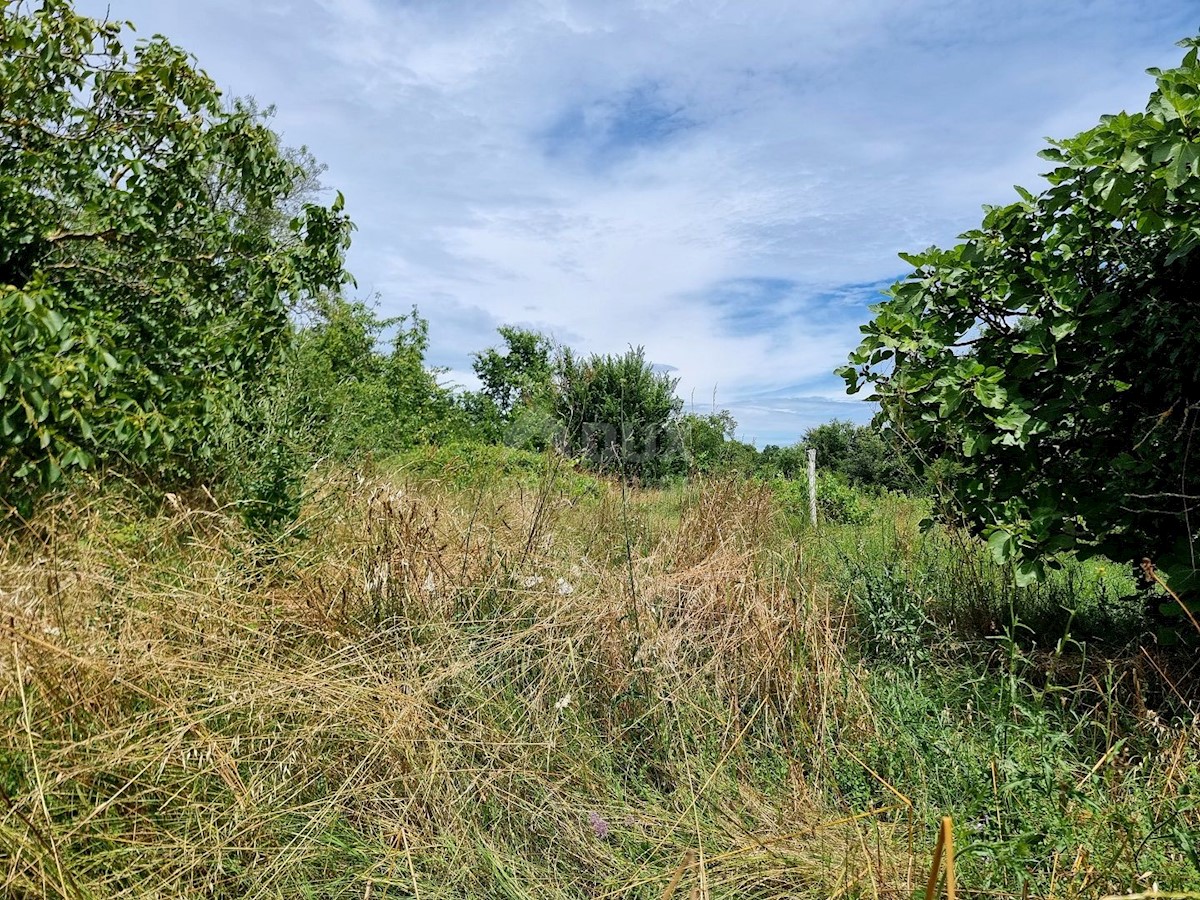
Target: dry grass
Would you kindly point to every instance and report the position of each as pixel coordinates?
(507, 693)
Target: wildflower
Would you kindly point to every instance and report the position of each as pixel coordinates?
(562, 702)
(599, 826)
(564, 587)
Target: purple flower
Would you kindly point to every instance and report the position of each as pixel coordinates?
(598, 825)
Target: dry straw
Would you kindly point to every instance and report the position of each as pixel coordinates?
(424, 693)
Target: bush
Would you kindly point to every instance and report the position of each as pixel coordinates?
(863, 455)
(617, 414)
(358, 395)
(146, 263)
(837, 502)
(1051, 354)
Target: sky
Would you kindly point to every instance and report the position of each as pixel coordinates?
(727, 184)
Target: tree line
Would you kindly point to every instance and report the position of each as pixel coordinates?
(174, 304)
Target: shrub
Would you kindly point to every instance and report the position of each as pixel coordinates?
(146, 268)
(617, 413)
(1051, 353)
(837, 502)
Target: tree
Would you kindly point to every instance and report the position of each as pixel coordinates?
(709, 447)
(704, 439)
(353, 394)
(518, 388)
(862, 454)
(1051, 355)
(519, 374)
(783, 462)
(349, 385)
(144, 276)
(618, 413)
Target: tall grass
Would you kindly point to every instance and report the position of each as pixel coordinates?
(1065, 743)
(532, 688)
(436, 693)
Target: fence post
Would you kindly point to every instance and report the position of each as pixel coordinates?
(812, 485)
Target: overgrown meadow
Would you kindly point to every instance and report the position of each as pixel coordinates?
(474, 672)
(283, 613)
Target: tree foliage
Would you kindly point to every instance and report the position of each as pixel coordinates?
(863, 455)
(360, 384)
(1051, 355)
(519, 374)
(618, 413)
(516, 403)
(709, 445)
(145, 274)
(348, 385)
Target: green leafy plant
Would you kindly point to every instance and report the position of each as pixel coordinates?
(617, 413)
(1050, 356)
(709, 446)
(837, 502)
(361, 385)
(891, 619)
(146, 264)
(518, 375)
(865, 456)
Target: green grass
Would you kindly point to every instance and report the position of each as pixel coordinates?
(472, 465)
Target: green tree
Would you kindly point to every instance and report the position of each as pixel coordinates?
(519, 374)
(350, 384)
(144, 276)
(618, 413)
(863, 455)
(709, 447)
(704, 439)
(360, 382)
(518, 386)
(1051, 356)
(783, 462)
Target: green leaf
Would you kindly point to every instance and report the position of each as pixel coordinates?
(1064, 328)
(1029, 572)
(156, 265)
(991, 394)
(1003, 546)
(1013, 419)
(975, 443)
(1131, 160)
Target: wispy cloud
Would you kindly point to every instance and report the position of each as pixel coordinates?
(609, 130)
(727, 184)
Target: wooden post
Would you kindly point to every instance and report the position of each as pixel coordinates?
(812, 485)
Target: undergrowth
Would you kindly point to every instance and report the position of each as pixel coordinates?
(464, 677)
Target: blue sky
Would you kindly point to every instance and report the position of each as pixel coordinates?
(726, 183)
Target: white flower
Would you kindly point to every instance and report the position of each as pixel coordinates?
(563, 587)
(562, 702)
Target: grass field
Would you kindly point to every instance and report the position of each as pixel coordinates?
(464, 676)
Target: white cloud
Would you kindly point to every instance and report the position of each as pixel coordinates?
(601, 169)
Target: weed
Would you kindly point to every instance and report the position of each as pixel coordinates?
(505, 683)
